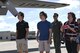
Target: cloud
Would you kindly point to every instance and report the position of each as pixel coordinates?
(4, 26)
(1, 18)
(78, 12)
(10, 17)
(33, 26)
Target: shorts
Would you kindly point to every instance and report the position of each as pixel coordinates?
(44, 46)
(22, 45)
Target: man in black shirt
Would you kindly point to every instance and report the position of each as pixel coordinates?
(22, 30)
(56, 25)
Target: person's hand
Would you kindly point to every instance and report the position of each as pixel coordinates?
(71, 38)
(49, 41)
(66, 26)
(37, 39)
(26, 38)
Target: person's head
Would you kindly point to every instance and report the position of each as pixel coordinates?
(43, 16)
(71, 17)
(55, 16)
(20, 16)
(78, 21)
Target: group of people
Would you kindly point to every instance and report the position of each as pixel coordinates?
(69, 31)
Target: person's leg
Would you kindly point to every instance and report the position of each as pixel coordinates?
(78, 47)
(19, 46)
(74, 47)
(41, 51)
(41, 46)
(79, 44)
(57, 45)
(26, 51)
(47, 46)
(47, 52)
(25, 45)
(68, 46)
(54, 39)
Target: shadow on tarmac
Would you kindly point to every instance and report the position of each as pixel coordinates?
(29, 50)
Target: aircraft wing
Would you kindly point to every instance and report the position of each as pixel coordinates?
(11, 4)
(6, 5)
(3, 9)
(37, 4)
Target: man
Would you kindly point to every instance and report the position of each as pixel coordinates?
(44, 33)
(56, 25)
(22, 30)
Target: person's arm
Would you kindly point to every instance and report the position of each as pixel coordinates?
(38, 32)
(16, 30)
(16, 34)
(60, 24)
(72, 29)
(50, 35)
(61, 27)
(27, 32)
(62, 30)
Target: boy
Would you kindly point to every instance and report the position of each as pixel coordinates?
(44, 33)
(22, 30)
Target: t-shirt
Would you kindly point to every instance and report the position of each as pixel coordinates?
(21, 29)
(68, 32)
(43, 27)
(56, 27)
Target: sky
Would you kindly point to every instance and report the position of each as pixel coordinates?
(8, 22)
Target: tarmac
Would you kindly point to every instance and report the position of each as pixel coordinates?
(10, 47)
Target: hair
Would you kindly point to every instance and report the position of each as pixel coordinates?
(55, 14)
(78, 19)
(21, 14)
(43, 13)
(73, 16)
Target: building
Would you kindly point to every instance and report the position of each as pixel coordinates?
(7, 35)
(32, 35)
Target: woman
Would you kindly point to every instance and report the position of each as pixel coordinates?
(70, 31)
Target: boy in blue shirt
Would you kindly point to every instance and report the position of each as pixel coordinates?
(44, 33)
